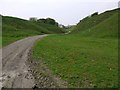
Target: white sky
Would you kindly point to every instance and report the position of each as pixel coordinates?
(63, 11)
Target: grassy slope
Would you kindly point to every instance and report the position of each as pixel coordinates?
(90, 22)
(83, 58)
(15, 28)
(106, 29)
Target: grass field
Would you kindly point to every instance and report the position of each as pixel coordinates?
(88, 57)
(82, 62)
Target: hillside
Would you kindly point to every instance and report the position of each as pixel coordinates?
(102, 25)
(88, 56)
(16, 28)
(108, 28)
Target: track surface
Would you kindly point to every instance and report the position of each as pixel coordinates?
(14, 70)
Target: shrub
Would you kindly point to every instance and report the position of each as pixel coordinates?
(94, 14)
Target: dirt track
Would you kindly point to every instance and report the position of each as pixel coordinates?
(14, 70)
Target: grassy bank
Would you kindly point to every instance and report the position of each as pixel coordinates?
(15, 28)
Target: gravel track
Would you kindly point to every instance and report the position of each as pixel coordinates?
(15, 72)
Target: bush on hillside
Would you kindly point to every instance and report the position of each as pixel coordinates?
(48, 21)
(94, 14)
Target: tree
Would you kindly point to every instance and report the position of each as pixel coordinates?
(48, 21)
(94, 14)
(42, 20)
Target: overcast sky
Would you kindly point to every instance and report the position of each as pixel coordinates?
(63, 11)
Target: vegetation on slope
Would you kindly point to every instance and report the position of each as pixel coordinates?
(15, 28)
(88, 57)
(91, 21)
(106, 29)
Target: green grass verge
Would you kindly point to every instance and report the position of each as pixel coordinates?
(0, 41)
(81, 61)
(8, 40)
